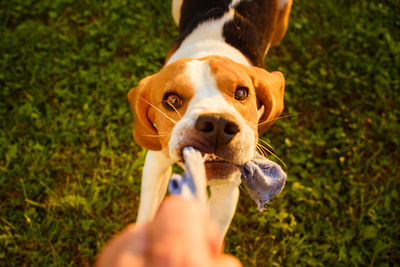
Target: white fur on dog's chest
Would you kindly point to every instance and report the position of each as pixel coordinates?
(207, 40)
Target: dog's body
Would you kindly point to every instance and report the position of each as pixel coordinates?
(211, 95)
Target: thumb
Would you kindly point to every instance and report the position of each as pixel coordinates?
(227, 261)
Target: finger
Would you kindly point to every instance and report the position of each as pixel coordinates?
(226, 261)
(201, 218)
(179, 233)
(129, 246)
(214, 236)
(127, 259)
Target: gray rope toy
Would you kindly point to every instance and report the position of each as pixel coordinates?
(262, 177)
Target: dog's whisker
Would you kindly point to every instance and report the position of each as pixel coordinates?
(259, 150)
(155, 62)
(282, 117)
(273, 154)
(177, 112)
(159, 110)
(266, 143)
(241, 187)
(155, 135)
(263, 151)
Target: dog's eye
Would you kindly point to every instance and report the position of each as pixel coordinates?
(172, 101)
(241, 93)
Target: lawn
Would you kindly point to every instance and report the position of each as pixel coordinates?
(70, 170)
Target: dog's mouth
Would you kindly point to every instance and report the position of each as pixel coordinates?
(211, 157)
(218, 167)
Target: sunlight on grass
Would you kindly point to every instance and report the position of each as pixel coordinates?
(70, 170)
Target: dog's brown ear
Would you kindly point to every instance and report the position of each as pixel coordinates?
(144, 132)
(269, 87)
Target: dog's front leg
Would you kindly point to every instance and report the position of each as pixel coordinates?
(222, 203)
(155, 177)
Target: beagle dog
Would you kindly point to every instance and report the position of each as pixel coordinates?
(212, 94)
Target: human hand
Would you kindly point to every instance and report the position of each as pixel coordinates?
(181, 234)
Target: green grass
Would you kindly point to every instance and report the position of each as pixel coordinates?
(70, 170)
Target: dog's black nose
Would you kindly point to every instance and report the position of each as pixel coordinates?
(216, 129)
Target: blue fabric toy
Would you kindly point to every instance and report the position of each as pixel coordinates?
(262, 177)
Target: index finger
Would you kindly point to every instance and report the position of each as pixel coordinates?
(183, 226)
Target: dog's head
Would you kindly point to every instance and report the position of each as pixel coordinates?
(213, 104)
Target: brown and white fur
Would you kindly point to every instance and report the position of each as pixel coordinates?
(222, 98)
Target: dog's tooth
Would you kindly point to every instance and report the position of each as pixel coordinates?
(212, 157)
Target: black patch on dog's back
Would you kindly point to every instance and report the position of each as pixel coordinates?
(194, 12)
(249, 31)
